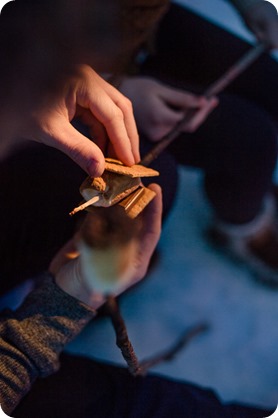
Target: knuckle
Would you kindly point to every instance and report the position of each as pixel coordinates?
(113, 116)
(117, 115)
(126, 105)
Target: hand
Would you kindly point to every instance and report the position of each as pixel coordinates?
(69, 272)
(262, 19)
(103, 108)
(158, 108)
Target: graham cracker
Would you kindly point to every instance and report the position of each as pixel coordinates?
(135, 170)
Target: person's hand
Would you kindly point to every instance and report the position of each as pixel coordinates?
(70, 273)
(105, 110)
(262, 19)
(158, 108)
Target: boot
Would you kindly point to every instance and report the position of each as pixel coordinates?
(255, 243)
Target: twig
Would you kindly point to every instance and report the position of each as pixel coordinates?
(122, 340)
(170, 353)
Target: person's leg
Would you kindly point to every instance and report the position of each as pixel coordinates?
(83, 388)
(236, 147)
(191, 48)
(238, 161)
(39, 187)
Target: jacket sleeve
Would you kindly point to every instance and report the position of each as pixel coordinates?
(33, 336)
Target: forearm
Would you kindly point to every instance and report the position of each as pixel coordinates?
(33, 337)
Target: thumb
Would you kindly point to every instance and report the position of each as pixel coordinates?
(63, 256)
(78, 147)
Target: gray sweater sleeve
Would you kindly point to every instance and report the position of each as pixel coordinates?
(32, 337)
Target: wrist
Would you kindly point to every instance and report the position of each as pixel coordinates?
(68, 279)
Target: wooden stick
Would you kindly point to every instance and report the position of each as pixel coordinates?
(112, 308)
(85, 205)
(236, 69)
(215, 88)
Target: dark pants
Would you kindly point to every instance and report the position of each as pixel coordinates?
(38, 188)
(87, 389)
(237, 145)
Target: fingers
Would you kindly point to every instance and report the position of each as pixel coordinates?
(146, 241)
(78, 147)
(153, 218)
(132, 137)
(197, 117)
(97, 131)
(193, 116)
(164, 107)
(115, 113)
(182, 100)
(185, 105)
(151, 229)
(172, 106)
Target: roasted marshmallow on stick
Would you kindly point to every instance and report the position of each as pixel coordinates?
(108, 239)
(108, 245)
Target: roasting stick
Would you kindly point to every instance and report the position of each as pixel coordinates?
(235, 70)
(85, 205)
(215, 88)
